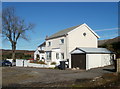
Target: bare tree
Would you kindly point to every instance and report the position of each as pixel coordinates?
(13, 28)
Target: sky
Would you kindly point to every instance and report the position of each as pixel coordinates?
(51, 17)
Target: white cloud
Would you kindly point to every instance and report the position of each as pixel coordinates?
(107, 29)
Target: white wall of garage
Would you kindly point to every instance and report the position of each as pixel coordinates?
(98, 60)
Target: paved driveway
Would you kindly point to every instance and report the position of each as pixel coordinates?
(17, 76)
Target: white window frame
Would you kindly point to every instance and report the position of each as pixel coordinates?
(62, 42)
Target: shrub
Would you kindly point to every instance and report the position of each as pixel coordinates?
(37, 62)
(53, 63)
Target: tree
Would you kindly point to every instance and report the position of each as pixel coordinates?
(13, 28)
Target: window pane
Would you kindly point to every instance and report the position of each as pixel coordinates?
(49, 43)
(57, 55)
(62, 55)
(62, 41)
(48, 55)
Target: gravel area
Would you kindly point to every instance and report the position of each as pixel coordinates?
(14, 76)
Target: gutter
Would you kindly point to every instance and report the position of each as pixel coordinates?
(55, 37)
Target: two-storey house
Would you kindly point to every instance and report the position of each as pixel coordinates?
(39, 53)
(78, 46)
(59, 45)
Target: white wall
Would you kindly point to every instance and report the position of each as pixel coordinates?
(70, 61)
(97, 60)
(77, 39)
(93, 61)
(55, 44)
(106, 59)
(19, 63)
(40, 54)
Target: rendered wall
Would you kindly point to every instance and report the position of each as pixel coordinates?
(98, 60)
(93, 61)
(55, 44)
(77, 39)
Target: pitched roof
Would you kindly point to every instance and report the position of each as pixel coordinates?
(42, 45)
(91, 50)
(65, 31)
(62, 32)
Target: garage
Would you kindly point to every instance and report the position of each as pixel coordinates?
(87, 58)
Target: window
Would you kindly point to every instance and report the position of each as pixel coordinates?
(48, 55)
(84, 34)
(49, 43)
(61, 41)
(62, 55)
(57, 55)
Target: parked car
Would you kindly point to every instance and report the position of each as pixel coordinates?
(6, 63)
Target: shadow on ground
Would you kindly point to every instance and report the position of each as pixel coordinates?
(110, 70)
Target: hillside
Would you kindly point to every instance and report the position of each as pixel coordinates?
(111, 44)
(108, 41)
(19, 53)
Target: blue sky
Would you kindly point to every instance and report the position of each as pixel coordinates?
(51, 17)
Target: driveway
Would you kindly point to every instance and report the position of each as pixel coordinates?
(21, 76)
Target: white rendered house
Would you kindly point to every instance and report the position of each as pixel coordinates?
(40, 53)
(59, 46)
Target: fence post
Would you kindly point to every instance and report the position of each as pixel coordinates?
(118, 65)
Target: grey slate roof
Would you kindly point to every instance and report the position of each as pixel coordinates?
(92, 50)
(62, 32)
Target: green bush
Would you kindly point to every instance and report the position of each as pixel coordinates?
(37, 62)
(115, 47)
(53, 63)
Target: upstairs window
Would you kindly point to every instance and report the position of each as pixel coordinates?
(61, 41)
(84, 34)
(49, 43)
